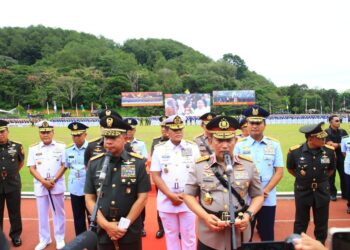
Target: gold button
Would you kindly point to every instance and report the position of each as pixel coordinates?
(113, 185)
(115, 169)
(112, 202)
(225, 190)
(225, 207)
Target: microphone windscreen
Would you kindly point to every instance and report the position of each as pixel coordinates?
(86, 240)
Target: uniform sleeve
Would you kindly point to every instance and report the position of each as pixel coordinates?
(192, 186)
(30, 159)
(155, 164)
(143, 180)
(20, 153)
(343, 145)
(89, 187)
(87, 154)
(290, 161)
(278, 162)
(255, 188)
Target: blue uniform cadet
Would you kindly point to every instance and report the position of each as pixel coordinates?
(345, 149)
(77, 174)
(267, 156)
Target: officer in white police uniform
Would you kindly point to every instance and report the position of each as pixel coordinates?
(77, 174)
(46, 164)
(137, 145)
(267, 155)
(171, 162)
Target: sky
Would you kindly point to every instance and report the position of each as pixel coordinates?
(286, 41)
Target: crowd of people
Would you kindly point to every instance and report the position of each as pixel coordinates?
(224, 179)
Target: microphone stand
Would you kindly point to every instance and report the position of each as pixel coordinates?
(232, 210)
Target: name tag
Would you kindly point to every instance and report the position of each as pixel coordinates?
(240, 175)
(186, 152)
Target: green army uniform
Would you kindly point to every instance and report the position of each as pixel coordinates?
(11, 156)
(311, 187)
(95, 147)
(126, 178)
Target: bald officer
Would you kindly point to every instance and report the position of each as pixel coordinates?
(214, 231)
(124, 191)
(171, 162)
(46, 162)
(267, 155)
(311, 163)
(77, 173)
(11, 162)
(202, 140)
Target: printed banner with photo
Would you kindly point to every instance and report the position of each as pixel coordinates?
(187, 104)
(234, 97)
(137, 99)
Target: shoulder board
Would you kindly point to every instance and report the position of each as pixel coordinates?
(294, 147)
(203, 158)
(34, 144)
(191, 142)
(242, 139)
(97, 156)
(160, 143)
(70, 145)
(136, 155)
(16, 142)
(272, 139)
(155, 138)
(197, 136)
(244, 157)
(330, 147)
(95, 139)
(345, 136)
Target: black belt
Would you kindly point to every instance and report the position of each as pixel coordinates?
(223, 215)
(313, 186)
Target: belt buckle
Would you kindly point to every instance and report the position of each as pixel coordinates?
(314, 185)
(225, 216)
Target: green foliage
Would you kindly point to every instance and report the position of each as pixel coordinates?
(40, 65)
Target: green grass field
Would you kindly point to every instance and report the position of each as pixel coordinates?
(288, 135)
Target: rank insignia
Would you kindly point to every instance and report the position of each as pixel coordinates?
(208, 199)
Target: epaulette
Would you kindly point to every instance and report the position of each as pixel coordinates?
(294, 147)
(197, 136)
(34, 144)
(191, 142)
(136, 155)
(242, 139)
(330, 147)
(16, 142)
(97, 156)
(160, 143)
(247, 158)
(272, 139)
(70, 145)
(95, 139)
(158, 137)
(203, 158)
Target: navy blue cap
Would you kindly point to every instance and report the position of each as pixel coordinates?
(77, 128)
(255, 114)
(131, 121)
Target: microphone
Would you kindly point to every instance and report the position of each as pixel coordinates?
(228, 162)
(103, 173)
(86, 240)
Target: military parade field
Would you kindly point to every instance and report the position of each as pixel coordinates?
(288, 135)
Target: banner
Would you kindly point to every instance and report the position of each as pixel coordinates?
(187, 104)
(234, 97)
(136, 99)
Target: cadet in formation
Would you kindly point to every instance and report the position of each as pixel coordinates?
(267, 155)
(202, 140)
(171, 162)
(208, 181)
(312, 163)
(124, 191)
(46, 162)
(77, 174)
(11, 161)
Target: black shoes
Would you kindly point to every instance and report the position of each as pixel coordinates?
(333, 197)
(143, 233)
(17, 242)
(160, 234)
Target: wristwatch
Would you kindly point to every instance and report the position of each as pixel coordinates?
(251, 214)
